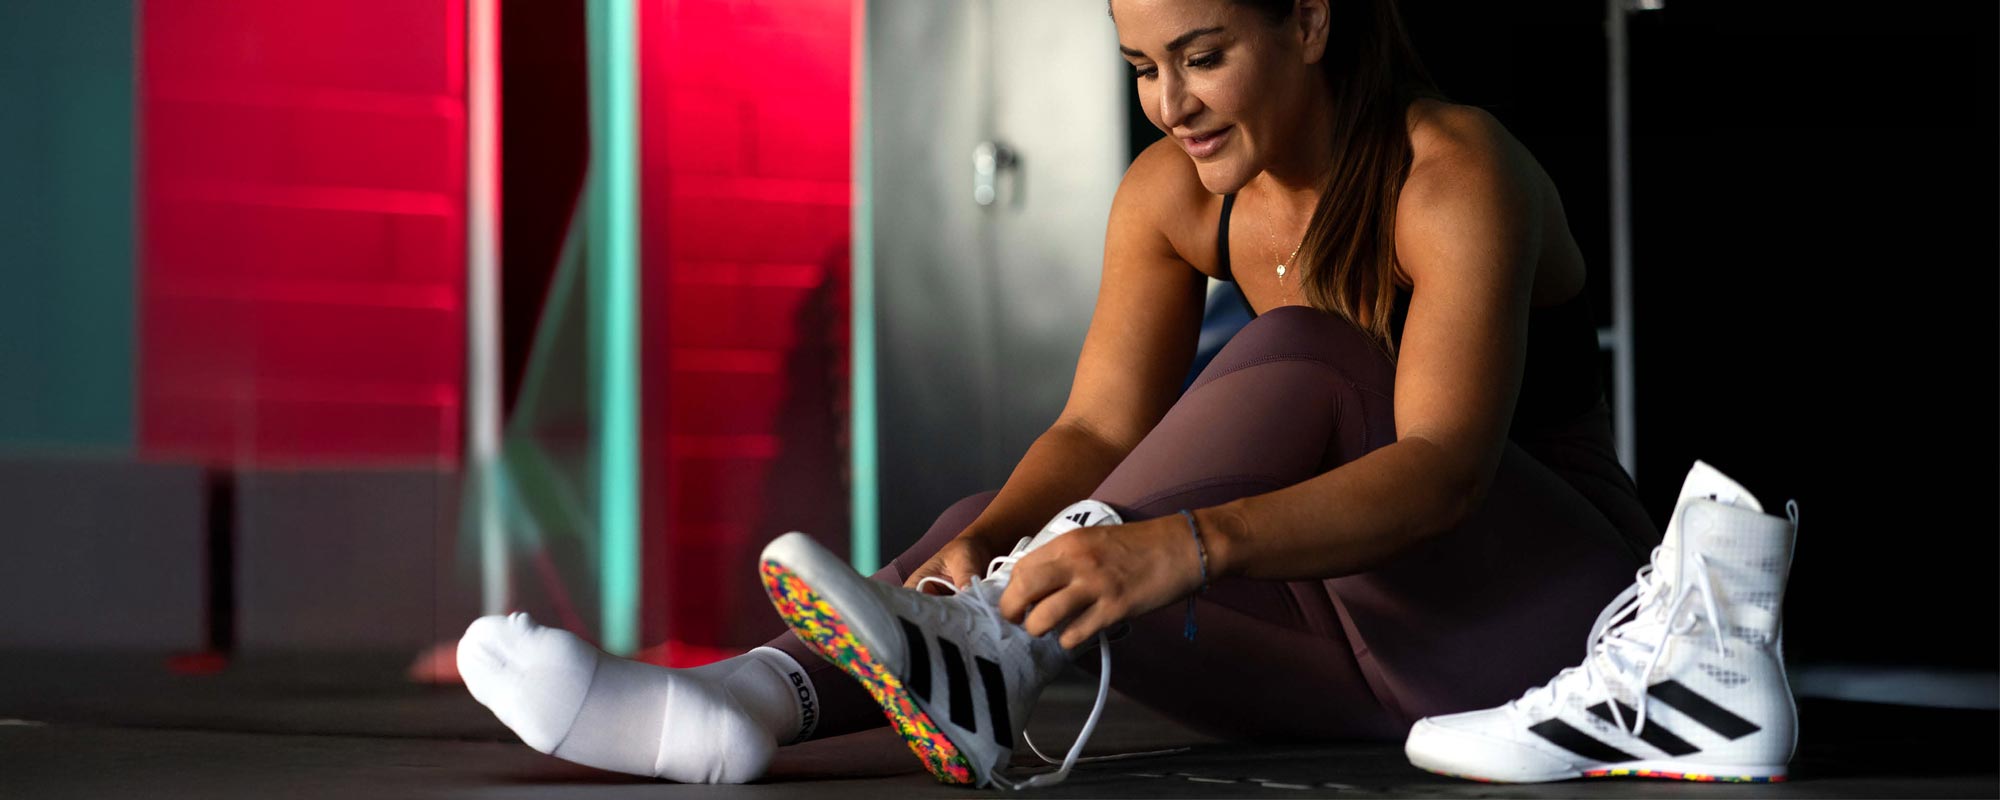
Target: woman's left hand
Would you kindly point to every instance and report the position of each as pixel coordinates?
(1092, 577)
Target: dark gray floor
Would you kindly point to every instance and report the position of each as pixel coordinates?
(349, 726)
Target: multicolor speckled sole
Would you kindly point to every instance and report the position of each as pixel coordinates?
(1612, 772)
(817, 624)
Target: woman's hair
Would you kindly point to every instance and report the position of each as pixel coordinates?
(1347, 262)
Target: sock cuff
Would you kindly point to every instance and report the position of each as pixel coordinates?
(798, 684)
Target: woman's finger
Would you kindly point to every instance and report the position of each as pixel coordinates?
(926, 570)
(1087, 624)
(1032, 579)
(949, 564)
(1052, 611)
(937, 567)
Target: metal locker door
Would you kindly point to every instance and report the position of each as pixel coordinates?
(985, 270)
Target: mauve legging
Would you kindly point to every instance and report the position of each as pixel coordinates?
(1467, 620)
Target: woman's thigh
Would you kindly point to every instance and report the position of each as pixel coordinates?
(1497, 605)
(1294, 392)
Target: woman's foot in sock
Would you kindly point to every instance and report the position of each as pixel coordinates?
(718, 723)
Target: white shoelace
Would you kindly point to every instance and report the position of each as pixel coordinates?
(982, 595)
(1620, 628)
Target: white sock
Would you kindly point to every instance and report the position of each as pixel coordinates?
(717, 723)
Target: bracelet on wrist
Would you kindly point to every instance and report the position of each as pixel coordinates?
(1201, 550)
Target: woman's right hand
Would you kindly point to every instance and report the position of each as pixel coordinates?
(960, 561)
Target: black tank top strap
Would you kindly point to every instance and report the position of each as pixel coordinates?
(1222, 253)
(1222, 239)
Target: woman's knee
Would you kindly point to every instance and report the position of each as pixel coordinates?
(959, 515)
(1303, 333)
(949, 524)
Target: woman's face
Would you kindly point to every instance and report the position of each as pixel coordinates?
(1239, 81)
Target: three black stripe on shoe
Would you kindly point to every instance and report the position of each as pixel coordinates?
(996, 701)
(958, 683)
(1576, 741)
(920, 659)
(961, 689)
(1702, 710)
(1698, 708)
(1655, 734)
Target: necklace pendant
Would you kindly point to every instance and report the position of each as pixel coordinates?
(1281, 270)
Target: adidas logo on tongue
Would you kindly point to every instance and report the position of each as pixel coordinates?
(1080, 514)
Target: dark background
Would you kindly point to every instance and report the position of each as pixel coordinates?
(1813, 276)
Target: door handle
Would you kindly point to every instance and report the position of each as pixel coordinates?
(989, 159)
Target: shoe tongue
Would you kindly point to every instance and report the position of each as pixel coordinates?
(1081, 513)
(1707, 483)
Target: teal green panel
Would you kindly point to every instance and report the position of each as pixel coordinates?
(66, 224)
(613, 257)
(865, 544)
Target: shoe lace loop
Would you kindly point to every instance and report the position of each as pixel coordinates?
(984, 594)
(1625, 627)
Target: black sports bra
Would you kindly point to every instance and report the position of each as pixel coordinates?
(1561, 378)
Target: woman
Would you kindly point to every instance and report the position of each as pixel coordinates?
(1401, 491)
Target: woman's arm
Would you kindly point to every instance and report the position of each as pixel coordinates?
(1062, 466)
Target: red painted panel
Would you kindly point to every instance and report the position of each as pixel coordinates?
(305, 145)
(302, 231)
(402, 46)
(732, 222)
(707, 135)
(308, 245)
(747, 197)
(763, 317)
(730, 402)
(793, 140)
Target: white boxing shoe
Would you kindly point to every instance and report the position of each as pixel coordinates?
(954, 678)
(1684, 677)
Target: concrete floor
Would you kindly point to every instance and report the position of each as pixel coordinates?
(349, 726)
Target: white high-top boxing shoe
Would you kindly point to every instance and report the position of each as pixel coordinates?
(1684, 677)
(956, 679)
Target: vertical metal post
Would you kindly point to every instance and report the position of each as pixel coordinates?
(482, 310)
(1620, 339)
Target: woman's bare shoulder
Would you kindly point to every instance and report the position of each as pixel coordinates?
(1455, 146)
(1168, 193)
(1441, 130)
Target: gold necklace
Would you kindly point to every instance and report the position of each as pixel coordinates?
(1281, 264)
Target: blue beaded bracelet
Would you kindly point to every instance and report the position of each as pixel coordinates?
(1203, 551)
